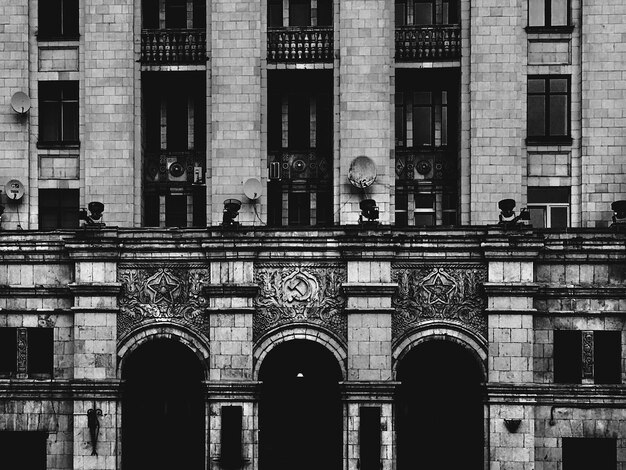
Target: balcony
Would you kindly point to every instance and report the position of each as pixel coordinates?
(174, 168)
(428, 43)
(436, 165)
(173, 47)
(300, 44)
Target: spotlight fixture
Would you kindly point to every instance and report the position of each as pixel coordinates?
(95, 213)
(507, 214)
(619, 212)
(369, 211)
(231, 212)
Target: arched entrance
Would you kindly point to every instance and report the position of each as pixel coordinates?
(163, 408)
(439, 409)
(300, 413)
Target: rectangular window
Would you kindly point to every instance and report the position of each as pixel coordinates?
(548, 13)
(8, 351)
(58, 19)
(40, 351)
(369, 438)
(549, 207)
(58, 113)
(300, 13)
(58, 209)
(275, 13)
(589, 453)
(607, 357)
(549, 109)
(567, 356)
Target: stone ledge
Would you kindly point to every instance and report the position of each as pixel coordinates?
(509, 289)
(370, 289)
(60, 389)
(371, 391)
(95, 289)
(231, 290)
(232, 391)
(586, 291)
(556, 394)
(35, 291)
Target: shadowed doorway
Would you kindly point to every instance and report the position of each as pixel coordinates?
(163, 408)
(439, 409)
(300, 410)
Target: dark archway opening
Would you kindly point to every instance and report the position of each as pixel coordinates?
(163, 412)
(439, 418)
(300, 413)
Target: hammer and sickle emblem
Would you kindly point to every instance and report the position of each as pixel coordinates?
(299, 287)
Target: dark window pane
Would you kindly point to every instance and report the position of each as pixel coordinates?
(402, 206)
(230, 436)
(400, 13)
(49, 125)
(536, 13)
(558, 217)
(299, 121)
(274, 204)
(176, 210)
(607, 357)
(58, 19)
(424, 219)
(151, 210)
(324, 208)
(300, 13)
(422, 97)
(58, 209)
(558, 115)
(299, 208)
(8, 351)
(177, 122)
(559, 13)
(424, 201)
(444, 125)
(150, 14)
(199, 206)
(400, 122)
(40, 350)
(70, 18)
(589, 453)
(176, 14)
(567, 356)
(536, 116)
(558, 85)
(26, 447)
(537, 216)
(199, 14)
(70, 122)
(544, 195)
(536, 85)
(275, 13)
(422, 126)
(324, 13)
(423, 13)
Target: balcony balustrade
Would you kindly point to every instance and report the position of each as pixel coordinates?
(300, 44)
(436, 164)
(174, 168)
(173, 46)
(428, 43)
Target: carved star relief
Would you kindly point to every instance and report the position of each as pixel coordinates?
(438, 290)
(163, 288)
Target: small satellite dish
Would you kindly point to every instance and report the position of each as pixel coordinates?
(20, 102)
(252, 188)
(362, 172)
(14, 190)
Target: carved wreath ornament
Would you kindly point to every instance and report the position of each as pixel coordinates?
(452, 293)
(290, 294)
(162, 294)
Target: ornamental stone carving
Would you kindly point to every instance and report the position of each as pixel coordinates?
(439, 292)
(301, 293)
(162, 293)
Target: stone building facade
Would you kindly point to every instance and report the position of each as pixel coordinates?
(237, 305)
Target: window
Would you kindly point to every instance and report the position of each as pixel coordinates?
(58, 209)
(26, 447)
(58, 19)
(587, 453)
(426, 12)
(587, 355)
(549, 207)
(548, 13)
(58, 113)
(26, 351)
(549, 109)
(369, 438)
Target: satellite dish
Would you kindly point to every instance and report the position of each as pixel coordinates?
(362, 173)
(14, 190)
(20, 102)
(252, 188)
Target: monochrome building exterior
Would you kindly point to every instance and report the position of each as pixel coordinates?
(281, 234)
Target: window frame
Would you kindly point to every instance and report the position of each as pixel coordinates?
(50, 33)
(60, 208)
(64, 106)
(547, 138)
(547, 26)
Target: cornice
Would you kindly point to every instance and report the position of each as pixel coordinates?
(60, 389)
(370, 391)
(231, 290)
(370, 289)
(596, 396)
(232, 391)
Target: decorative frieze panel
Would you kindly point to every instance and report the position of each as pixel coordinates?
(309, 293)
(165, 293)
(439, 292)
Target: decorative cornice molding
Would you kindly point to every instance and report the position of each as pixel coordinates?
(372, 391)
(232, 391)
(60, 389)
(369, 289)
(587, 291)
(591, 396)
(231, 290)
(95, 289)
(511, 289)
(35, 291)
